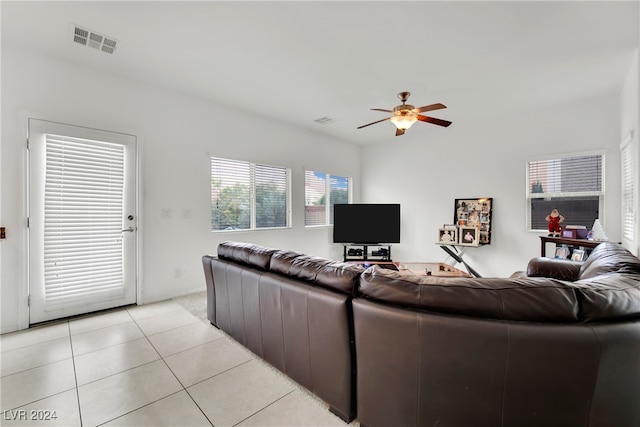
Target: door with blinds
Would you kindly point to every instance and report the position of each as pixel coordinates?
(82, 220)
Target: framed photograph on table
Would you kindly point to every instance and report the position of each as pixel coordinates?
(474, 213)
(578, 255)
(469, 236)
(448, 236)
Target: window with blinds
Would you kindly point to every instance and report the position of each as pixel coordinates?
(83, 214)
(629, 191)
(321, 192)
(573, 185)
(247, 196)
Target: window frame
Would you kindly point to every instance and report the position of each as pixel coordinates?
(328, 214)
(528, 193)
(252, 195)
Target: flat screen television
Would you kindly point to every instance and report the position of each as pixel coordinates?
(366, 223)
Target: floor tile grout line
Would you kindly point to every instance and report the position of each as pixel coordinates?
(143, 406)
(75, 375)
(110, 346)
(26, 331)
(175, 376)
(168, 330)
(198, 406)
(38, 400)
(35, 367)
(262, 409)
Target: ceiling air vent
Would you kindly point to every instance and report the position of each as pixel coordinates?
(92, 39)
(324, 120)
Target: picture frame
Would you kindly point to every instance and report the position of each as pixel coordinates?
(468, 236)
(448, 236)
(475, 212)
(578, 255)
(562, 252)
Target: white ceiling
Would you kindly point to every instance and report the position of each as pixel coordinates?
(299, 61)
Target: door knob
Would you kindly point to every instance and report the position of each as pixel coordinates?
(130, 230)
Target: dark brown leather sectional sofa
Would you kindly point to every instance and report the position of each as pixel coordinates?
(556, 345)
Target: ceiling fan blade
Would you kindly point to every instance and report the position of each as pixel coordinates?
(435, 121)
(372, 123)
(381, 109)
(431, 107)
(399, 132)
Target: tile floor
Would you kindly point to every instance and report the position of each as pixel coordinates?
(150, 365)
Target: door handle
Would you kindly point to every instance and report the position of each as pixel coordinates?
(129, 230)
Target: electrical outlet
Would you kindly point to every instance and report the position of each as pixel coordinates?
(166, 213)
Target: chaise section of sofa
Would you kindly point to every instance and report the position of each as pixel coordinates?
(562, 348)
(292, 310)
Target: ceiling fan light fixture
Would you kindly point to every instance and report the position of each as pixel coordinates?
(404, 121)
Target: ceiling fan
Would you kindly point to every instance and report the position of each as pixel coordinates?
(404, 115)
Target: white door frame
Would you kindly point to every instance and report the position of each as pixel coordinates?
(24, 310)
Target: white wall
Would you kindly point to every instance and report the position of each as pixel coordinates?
(177, 134)
(487, 159)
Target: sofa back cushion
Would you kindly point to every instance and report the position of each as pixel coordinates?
(609, 296)
(560, 269)
(281, 261)
(526, 299)
(246, 253)
(609, 257)
(327, 273)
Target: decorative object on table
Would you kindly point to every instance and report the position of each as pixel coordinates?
(448, 236)
(474, 213)
(562, 252)
(469, 236)
(598, 232)
(554, 219)
(578, 255)
(574, 232)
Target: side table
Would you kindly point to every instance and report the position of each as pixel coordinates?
(576, 243)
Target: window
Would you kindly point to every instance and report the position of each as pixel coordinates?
(573, 185)
(629, 191)
(248, 196)
(321, 192)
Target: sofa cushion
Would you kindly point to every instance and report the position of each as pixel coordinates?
(609, 257)
(246, 253)
(340, 276)
(281, 261)
(526, 299)
(609, 296)
(560, 269)
(327, 273)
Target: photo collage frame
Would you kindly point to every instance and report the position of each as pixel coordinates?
(471, 223)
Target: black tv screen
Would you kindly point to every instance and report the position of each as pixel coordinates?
(366, 223)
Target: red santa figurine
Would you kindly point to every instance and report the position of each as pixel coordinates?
(554, 219)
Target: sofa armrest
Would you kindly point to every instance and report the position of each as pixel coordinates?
(560, 269)
(211, 291)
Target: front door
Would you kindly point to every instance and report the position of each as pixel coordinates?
(82, 220)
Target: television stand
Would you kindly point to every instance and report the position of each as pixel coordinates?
(367, 252)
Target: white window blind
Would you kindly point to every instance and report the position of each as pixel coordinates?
(629, 192)
(321, 192)
(573, 185)
(83, 216)
(247, 196)
(315, 201)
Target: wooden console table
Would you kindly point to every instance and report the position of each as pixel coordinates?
(587, 244)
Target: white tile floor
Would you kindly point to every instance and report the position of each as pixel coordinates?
(151, 365)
